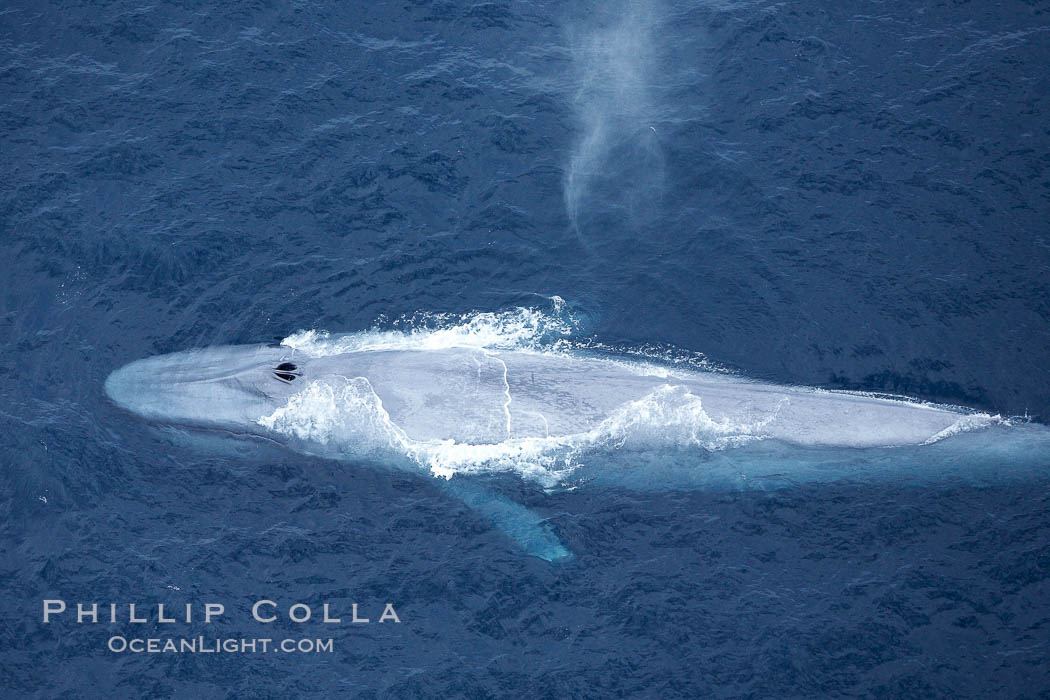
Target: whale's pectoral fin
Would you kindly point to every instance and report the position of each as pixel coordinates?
(516, 521)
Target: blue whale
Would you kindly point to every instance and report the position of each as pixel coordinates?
(558, 417)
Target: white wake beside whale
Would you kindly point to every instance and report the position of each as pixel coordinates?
(455, 401)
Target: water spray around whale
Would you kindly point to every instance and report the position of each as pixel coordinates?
(616, 69)
(513, 392)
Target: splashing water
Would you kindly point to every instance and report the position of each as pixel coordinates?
(518, 328)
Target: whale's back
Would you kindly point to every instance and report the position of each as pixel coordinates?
(479, 396)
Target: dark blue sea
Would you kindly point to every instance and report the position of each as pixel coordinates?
(849, 195)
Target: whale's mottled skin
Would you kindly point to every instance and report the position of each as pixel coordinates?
(432, 404)
(482, 396)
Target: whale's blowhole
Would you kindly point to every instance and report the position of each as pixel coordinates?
(286, 371)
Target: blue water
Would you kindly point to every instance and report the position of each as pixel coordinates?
(851, 195)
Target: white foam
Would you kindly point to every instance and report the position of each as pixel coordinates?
(673, 416)
(347, 411)
(966, 423)
(520, 328)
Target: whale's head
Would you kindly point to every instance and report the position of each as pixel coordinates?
(222, 387)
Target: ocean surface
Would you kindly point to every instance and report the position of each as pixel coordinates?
(849, 195)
